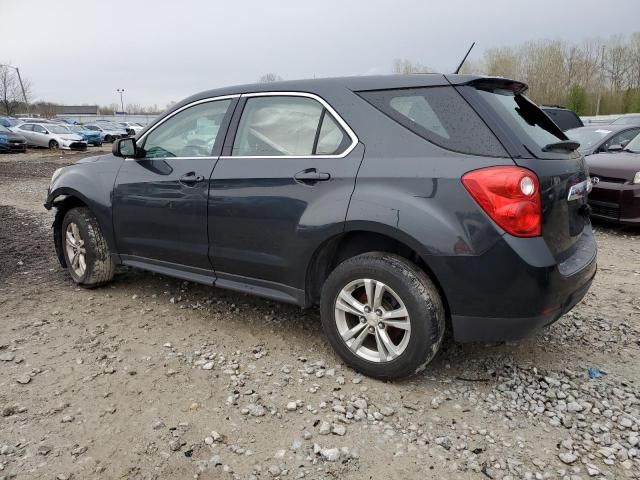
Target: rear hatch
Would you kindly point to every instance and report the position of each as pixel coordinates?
(536, 143)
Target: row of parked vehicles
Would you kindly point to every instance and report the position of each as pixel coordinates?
(17, 134)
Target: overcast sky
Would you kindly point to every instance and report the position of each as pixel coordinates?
(164, 50)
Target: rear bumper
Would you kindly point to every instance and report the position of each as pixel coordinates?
(616, 202)
(515, 288)
(488, 329)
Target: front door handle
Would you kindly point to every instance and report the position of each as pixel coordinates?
(311, 175)
(191, 178)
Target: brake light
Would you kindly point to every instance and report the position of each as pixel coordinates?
(511, 197)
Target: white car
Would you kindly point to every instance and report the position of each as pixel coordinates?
(132, 127)
(50, 135)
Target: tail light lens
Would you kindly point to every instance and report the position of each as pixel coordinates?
(511, 197)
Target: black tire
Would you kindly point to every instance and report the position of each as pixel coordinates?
(100, 268)
(108, 139)
(417, 292)
(53, 145)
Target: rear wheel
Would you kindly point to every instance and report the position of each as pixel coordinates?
(108, 139)
(86, 252)
(383, 315)
(53, 145)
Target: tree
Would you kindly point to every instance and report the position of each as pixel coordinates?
(11, 95)
(405, 67)
(270, 77)
(577, 99)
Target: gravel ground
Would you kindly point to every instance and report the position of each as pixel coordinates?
(151, 377)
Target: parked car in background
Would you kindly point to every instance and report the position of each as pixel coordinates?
(111, 124)
(616, 192)
(108, 133)
(563, 117)
(629, 119)
(11, 141)
(9, 122)
(35, 120)
(92, 137)
(389, 201)
(602, 138)
(51, 136)
(132, 127)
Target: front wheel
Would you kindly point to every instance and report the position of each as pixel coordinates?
(53, 145)
(86, 252)
(382, 315)
(108, 139)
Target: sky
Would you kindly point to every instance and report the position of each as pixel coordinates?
(79, 52)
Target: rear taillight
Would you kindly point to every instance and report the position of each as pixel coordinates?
(511, 197)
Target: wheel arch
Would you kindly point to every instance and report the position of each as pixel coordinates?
(362, 239)
(64, 199)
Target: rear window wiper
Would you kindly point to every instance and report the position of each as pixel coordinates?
(566, 145)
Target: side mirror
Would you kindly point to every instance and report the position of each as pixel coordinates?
(125, 147)
(614, 148)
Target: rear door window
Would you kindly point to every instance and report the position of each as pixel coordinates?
(439, 115)
(282, 125)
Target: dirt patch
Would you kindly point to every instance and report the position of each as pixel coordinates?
(26, 246)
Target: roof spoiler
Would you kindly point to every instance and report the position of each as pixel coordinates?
(490, 83)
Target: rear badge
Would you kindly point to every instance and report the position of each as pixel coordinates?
(580, 189)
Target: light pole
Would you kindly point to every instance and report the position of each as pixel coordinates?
(24, 95)
(121, 91)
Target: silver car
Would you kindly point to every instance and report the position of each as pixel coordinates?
(50, 135)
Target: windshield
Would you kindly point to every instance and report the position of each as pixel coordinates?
(587, 137)
(523, 117)
(627, 121)
(58, 129)
(633, 145)
(4, 129)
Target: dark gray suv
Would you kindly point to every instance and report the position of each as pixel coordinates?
(401, 205)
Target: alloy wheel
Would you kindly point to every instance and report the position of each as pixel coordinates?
(372, 320)
(76, 251)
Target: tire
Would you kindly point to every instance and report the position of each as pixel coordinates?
(108, 139)
(53, 145)
(405, 285)
(88, 240)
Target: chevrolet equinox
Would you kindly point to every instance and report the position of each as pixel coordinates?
(401, 205)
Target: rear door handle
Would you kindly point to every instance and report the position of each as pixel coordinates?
(191, 178)
(311, 175)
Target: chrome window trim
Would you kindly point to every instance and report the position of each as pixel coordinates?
(323, 102)
(184, 107)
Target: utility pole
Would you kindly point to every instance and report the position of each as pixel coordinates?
(601, 86)
(24, 95)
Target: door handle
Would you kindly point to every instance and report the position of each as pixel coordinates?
(191, 178)
(311, 175)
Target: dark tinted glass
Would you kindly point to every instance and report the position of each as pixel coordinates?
(565, 119)
(440, 115)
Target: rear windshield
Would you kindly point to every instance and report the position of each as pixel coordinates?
(439, 115)
(523, 117)
(565, 119)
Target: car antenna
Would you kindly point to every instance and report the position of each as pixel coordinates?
(465, 57)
